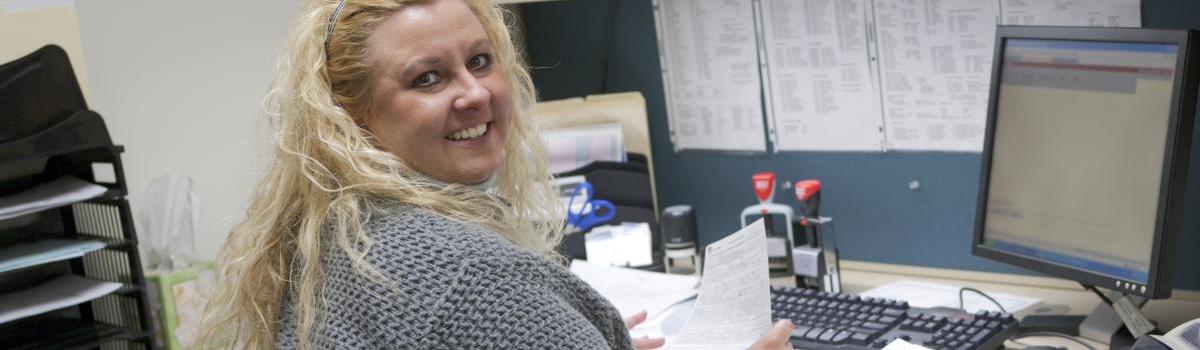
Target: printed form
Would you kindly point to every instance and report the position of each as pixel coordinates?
(734, 306)
(935, 66)
(1092, 13)
(821, 92)
(710, 73)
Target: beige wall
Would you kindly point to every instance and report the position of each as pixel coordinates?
(180, 84)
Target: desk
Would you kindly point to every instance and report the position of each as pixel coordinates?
(1058, 295)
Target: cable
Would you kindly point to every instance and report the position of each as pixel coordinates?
(1098, 293)
(1021, 343)
(962, 306)
(1052, 334)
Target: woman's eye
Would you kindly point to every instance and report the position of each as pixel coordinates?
(480, 62)
(426, 79)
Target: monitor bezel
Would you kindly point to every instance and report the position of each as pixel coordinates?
(1175, 157)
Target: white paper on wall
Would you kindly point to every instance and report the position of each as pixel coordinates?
(710, 74)
(1092, 13)
(935, 60)
(821, 90)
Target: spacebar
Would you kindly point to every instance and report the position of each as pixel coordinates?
(811, 345)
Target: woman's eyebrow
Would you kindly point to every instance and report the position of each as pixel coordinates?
(419, 63)
(479, 44)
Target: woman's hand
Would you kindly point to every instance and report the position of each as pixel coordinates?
(644, 343)
(776, 338)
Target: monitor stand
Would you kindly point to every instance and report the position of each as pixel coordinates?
(1105, 326)
(1102, 325)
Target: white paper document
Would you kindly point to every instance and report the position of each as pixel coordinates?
(734, 307)
(633, 291)
(1085, 13)
(710, 73)
(62, 191)
(935, 61)
(821, 91)
(573, 148)
(40, 252)
(900, 344)
(60, 292)
(928, 295)
(628, 244)
(844, 75)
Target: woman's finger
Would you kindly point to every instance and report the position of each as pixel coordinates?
(636, 319)
(646, 343)
(776, 337)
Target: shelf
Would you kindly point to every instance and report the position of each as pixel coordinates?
(35, 253)
(60, 192)
(60, 333)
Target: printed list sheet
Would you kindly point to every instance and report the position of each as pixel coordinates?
(710, 73)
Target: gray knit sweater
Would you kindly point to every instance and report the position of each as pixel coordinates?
(460, 286)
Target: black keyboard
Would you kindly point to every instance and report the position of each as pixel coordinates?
(846, 321)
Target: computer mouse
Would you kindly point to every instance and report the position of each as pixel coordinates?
(1045, 347)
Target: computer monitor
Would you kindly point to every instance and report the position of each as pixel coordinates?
(1085, 159)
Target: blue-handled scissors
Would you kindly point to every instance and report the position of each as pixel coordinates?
(586, 214)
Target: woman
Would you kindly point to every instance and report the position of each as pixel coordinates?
(407, 204)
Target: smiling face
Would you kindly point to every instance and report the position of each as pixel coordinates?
(441, 104)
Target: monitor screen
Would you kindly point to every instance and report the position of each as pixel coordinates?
(1080, 133)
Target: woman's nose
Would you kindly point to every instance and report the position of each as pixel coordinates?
(474, 96)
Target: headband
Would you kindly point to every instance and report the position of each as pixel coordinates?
(329, 28)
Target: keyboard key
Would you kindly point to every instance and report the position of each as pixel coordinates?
(827, 336)
(814, 333)
(800, 331)
(892, 312)
(859, 338)
(978, 338)
(841, 337)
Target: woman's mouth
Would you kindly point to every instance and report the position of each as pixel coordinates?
(470, 133)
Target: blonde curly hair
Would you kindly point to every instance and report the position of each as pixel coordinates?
(325, 168)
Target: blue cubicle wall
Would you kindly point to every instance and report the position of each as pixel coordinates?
(878, 217)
